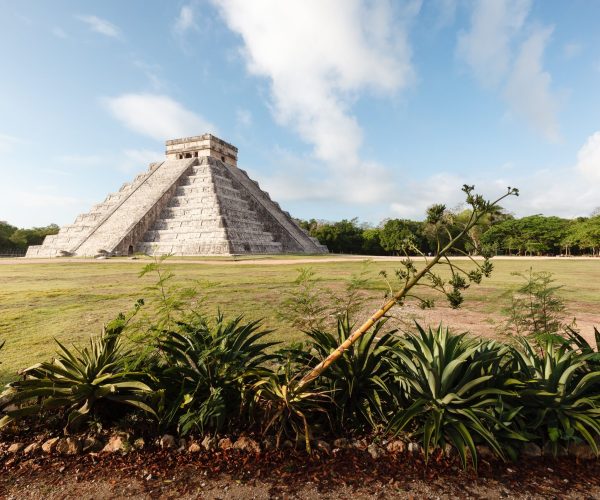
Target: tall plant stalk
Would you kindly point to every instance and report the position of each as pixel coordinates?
(479, 208)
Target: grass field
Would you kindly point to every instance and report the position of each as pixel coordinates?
(70, 300)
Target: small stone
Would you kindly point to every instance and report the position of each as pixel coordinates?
(448, 450)
(484, 452)
(323, 446)
(395, 446)
(49, 445)
(32, 448)
(375, 451)
(139, 443)
(182, 445)
(582, 451)
(209, 443)
(225, 443)
(414, 447)
(92, 445)
(115, 443)
(246, 444)
(531, 450)
(16, 447)
(360, 444)
(194, 448)
(68, 446)
(167, 441)
(341, 443)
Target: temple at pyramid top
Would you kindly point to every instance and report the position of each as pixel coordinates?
(195, 202)
(202, 145)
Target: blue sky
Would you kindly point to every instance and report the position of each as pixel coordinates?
(339, 108)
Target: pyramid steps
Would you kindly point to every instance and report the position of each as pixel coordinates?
(196, 202)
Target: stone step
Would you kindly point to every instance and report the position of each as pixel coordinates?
(219, 247)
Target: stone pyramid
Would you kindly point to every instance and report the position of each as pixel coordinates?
(196, 202)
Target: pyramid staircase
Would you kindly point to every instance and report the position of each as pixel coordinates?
(197, 202)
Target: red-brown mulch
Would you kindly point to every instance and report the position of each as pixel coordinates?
(169, 473)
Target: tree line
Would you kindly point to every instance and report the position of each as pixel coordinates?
(16, 240)
(498, 234)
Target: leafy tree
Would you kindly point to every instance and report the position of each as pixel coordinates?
(399, 236)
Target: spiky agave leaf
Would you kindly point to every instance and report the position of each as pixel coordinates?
(78, 380)
(561, 393)
(454, 385)
(208, 369)
(360, 379)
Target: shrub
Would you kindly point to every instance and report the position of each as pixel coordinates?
(360, 381)
(78, 380)
(535, 308)
(291, 412)
(560, 395)
(207, 370)
(455, 384)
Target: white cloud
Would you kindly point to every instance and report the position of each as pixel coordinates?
(243, 118)
(487, 46)
(186, 20)
(572, 49)
(81, 160)
(318, 57)
(101, 26)
(545, 191)
(490, 50)
(31, 199)
(157, 116)
(137, 160)
(58, 32)
(588, 158)
(8, 142)
(528, 87)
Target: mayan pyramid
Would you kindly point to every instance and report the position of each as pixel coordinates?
(196, 202)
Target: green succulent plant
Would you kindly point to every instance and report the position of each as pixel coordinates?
(360, 382)
(207, 371)
(79, 380)
(560, 395)
(454, 384)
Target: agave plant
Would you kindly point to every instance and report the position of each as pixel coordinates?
(561, 393)
(288, 410)
(579, 343)
(208, 369)
(80, 382)
(360, 381)
(455, 384)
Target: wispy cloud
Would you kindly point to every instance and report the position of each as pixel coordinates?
(588, 158)
(59, 32)
(136, 160)
(572, 50)
(8, 142)
(157, 116)
(528, 89)
(505, 53)
(186, 20)
(101, 26)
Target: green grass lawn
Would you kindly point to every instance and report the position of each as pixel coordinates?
(70, 300)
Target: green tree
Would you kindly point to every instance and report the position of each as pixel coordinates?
(399, 236)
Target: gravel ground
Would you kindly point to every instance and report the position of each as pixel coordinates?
(344, 474)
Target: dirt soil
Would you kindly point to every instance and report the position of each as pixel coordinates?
(344, 474)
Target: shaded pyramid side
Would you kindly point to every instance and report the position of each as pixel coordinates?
(212, 213)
